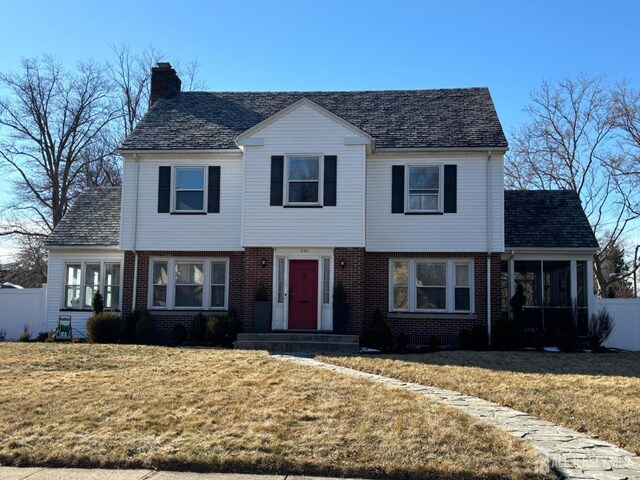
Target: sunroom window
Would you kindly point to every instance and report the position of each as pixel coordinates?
(72, 286)
(303, 179)
(189, 189)
(91, 282)
(84, 279)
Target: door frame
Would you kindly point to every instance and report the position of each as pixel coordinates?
(301, 253)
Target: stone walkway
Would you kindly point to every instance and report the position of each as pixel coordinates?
(574, 455)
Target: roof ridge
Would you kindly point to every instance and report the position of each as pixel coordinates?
(396, 90)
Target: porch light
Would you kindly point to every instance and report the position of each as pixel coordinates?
(263, 262)
(342, 264)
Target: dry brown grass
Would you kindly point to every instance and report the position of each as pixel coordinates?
(594, 393)
(213, 410)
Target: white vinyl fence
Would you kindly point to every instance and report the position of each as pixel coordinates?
(626, 315)
(22, 307)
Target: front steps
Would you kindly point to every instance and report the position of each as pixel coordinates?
(286, 342)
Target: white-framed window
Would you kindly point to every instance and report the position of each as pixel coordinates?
(83, 279)
(280, 279)
(189, 189)
(303, 179)
(424, 188)
(189, 284)
(326, 280)
(431, 285)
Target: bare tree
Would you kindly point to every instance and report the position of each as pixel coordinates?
(30, 267)
(49, 120)
(568, 144)
(626, 114)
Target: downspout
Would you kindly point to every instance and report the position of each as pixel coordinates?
(489, 238)
(135, 236)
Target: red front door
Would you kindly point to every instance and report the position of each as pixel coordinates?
(303, 294)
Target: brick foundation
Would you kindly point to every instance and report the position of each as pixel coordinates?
(364, 276)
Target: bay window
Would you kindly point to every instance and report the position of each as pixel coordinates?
(431, 285)
(181, 283)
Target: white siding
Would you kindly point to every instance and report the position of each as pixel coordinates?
(464, 231)
(163, 231)
(304, 130)
(55, 286)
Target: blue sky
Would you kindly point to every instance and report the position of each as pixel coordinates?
(508, 46)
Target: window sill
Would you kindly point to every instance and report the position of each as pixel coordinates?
(435, 316)
(186, 311)
(114, 310)
(188, 213)
(424, 213)
(302, 206)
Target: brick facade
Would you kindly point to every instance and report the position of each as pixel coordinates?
(364, 276)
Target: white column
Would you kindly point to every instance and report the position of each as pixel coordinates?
(573, 282)
(591, 297)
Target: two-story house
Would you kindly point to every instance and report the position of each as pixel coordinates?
(398, 195)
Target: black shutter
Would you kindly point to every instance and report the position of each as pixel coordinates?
(397, 189)
(164, 190)
(330, 180)
(213, 196)
(277, 179)
(450, 188)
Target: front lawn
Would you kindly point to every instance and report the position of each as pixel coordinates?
(598, 394)
(216, 410)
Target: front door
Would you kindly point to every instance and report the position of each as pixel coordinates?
(303, 294)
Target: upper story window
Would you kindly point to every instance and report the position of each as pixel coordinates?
(189, 189)
(424, 187)
(303, 179)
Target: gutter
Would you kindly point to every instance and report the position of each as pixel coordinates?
(135, 236)
(489, 238)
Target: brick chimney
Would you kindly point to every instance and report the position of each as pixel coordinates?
(164, 82)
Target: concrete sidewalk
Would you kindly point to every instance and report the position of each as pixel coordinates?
(14, 473)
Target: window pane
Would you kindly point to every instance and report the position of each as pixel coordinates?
(432, 274)
(304, 168)
(218, 273)
(280, 280)
(190, 178)
(189, 273)
(401, 298)
(432, 298)
(556, 283)
(401, 273)
(462, 275)
(112, 274)
(112, 297)
(92, 274)
(160, 275)
(423, 201)
(217, 296)
(425, 178)
(160, 296)
(72, 297)
(73, 274)
(89, 292)
(528, 275)
(463, 300)
(303, 192)
(581, 270)
(188, 296)
(190, 200)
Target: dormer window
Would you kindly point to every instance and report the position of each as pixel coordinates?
(303, 179)
(189, 189)
(423, 192)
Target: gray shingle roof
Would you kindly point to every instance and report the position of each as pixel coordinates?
(93, 220)
(458, 118)
(546, 219)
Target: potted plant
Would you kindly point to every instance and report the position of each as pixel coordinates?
(261, 310)
(340, 309)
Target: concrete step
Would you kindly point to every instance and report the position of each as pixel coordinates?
(298, 337)
(298, 346)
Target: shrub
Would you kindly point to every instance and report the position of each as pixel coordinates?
(434, 343)
(130, 325)
(402, 341)
(25, 336)
(600, 327)
(42, 336)
(464, 339)
(508, 333)
(339, 293)
(378, 334)
(103, 328)
(235, 325)
(223, 329)
(97, 303)
(198, 328)
(479, 337)
(3, 334)
(144, 327)
(179, 334)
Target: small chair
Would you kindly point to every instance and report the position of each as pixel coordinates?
(64, 330)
